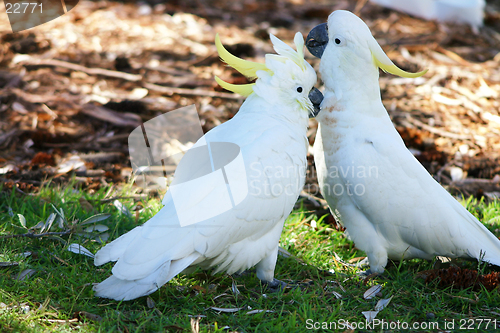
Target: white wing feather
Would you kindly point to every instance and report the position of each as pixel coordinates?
(150, 255)
(405, 210)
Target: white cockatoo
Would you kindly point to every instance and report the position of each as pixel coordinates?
(459, 11)
(389, 204)
(269, 133)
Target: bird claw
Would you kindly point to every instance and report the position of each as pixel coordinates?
(275, 285)
(367, 273)
(363, 263)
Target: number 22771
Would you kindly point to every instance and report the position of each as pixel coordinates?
(16, 8)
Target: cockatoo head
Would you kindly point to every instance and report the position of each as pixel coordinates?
(286, 78)
(349, 48)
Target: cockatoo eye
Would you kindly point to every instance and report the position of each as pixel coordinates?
(339, 40)
(299, 89)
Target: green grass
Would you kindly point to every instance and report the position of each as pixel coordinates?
(60, 297)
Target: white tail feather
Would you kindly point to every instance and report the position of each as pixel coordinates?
(125, 290)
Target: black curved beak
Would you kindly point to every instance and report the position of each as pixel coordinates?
(317, 39)
(316, 97)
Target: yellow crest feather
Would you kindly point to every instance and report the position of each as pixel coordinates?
(245, 67)
(242, 89)
(395, 70)
(384, 63)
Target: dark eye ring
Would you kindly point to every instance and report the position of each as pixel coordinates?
(299, 89)
(337, 41)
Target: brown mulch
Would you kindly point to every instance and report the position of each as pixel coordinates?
(461, 278)
(78, 85)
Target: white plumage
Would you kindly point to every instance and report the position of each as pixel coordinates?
(270, 129)
(390, 205)
(460, 11)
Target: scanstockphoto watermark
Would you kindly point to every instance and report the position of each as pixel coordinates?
(382, 324)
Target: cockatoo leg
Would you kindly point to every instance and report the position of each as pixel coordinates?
(265, 272)
(366, 238)
(378, 260)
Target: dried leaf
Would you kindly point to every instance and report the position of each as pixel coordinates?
(101, 238)
(370, 293)
(25, 274)
(78, 249)
(8, 263)
(226, 310)
(96, 228)
(284, 253)
(88, 315)
(258, 311)
(221, 295)
(39, 225)
(73, 163)
(370, 315)
(18, 107)
(60, 213)
(234, 288)
(149, 301)
(124, 210)
(337, 295)
(7, 168)
(48, 224)
(200, 289)
(43, 306)
(357, 259)
(22, 220)
(14, 263)
(381, 304)
(195, 325)
(60, 223)
(96, 218)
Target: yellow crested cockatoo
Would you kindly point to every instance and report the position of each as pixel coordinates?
(389, 204)
(269, 132)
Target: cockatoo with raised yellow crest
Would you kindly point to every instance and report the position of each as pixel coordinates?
(389, 204)
(269, 133)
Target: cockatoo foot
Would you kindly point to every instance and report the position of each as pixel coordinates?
(363, 263)
(367, 273)
(275, 285)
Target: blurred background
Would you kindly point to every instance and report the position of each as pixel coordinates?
(73, 89)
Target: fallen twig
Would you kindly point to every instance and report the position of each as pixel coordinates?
(31, 235)
(86, 70)
(124, 119)
(32, 98)
(190, 92)
(412, 122)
